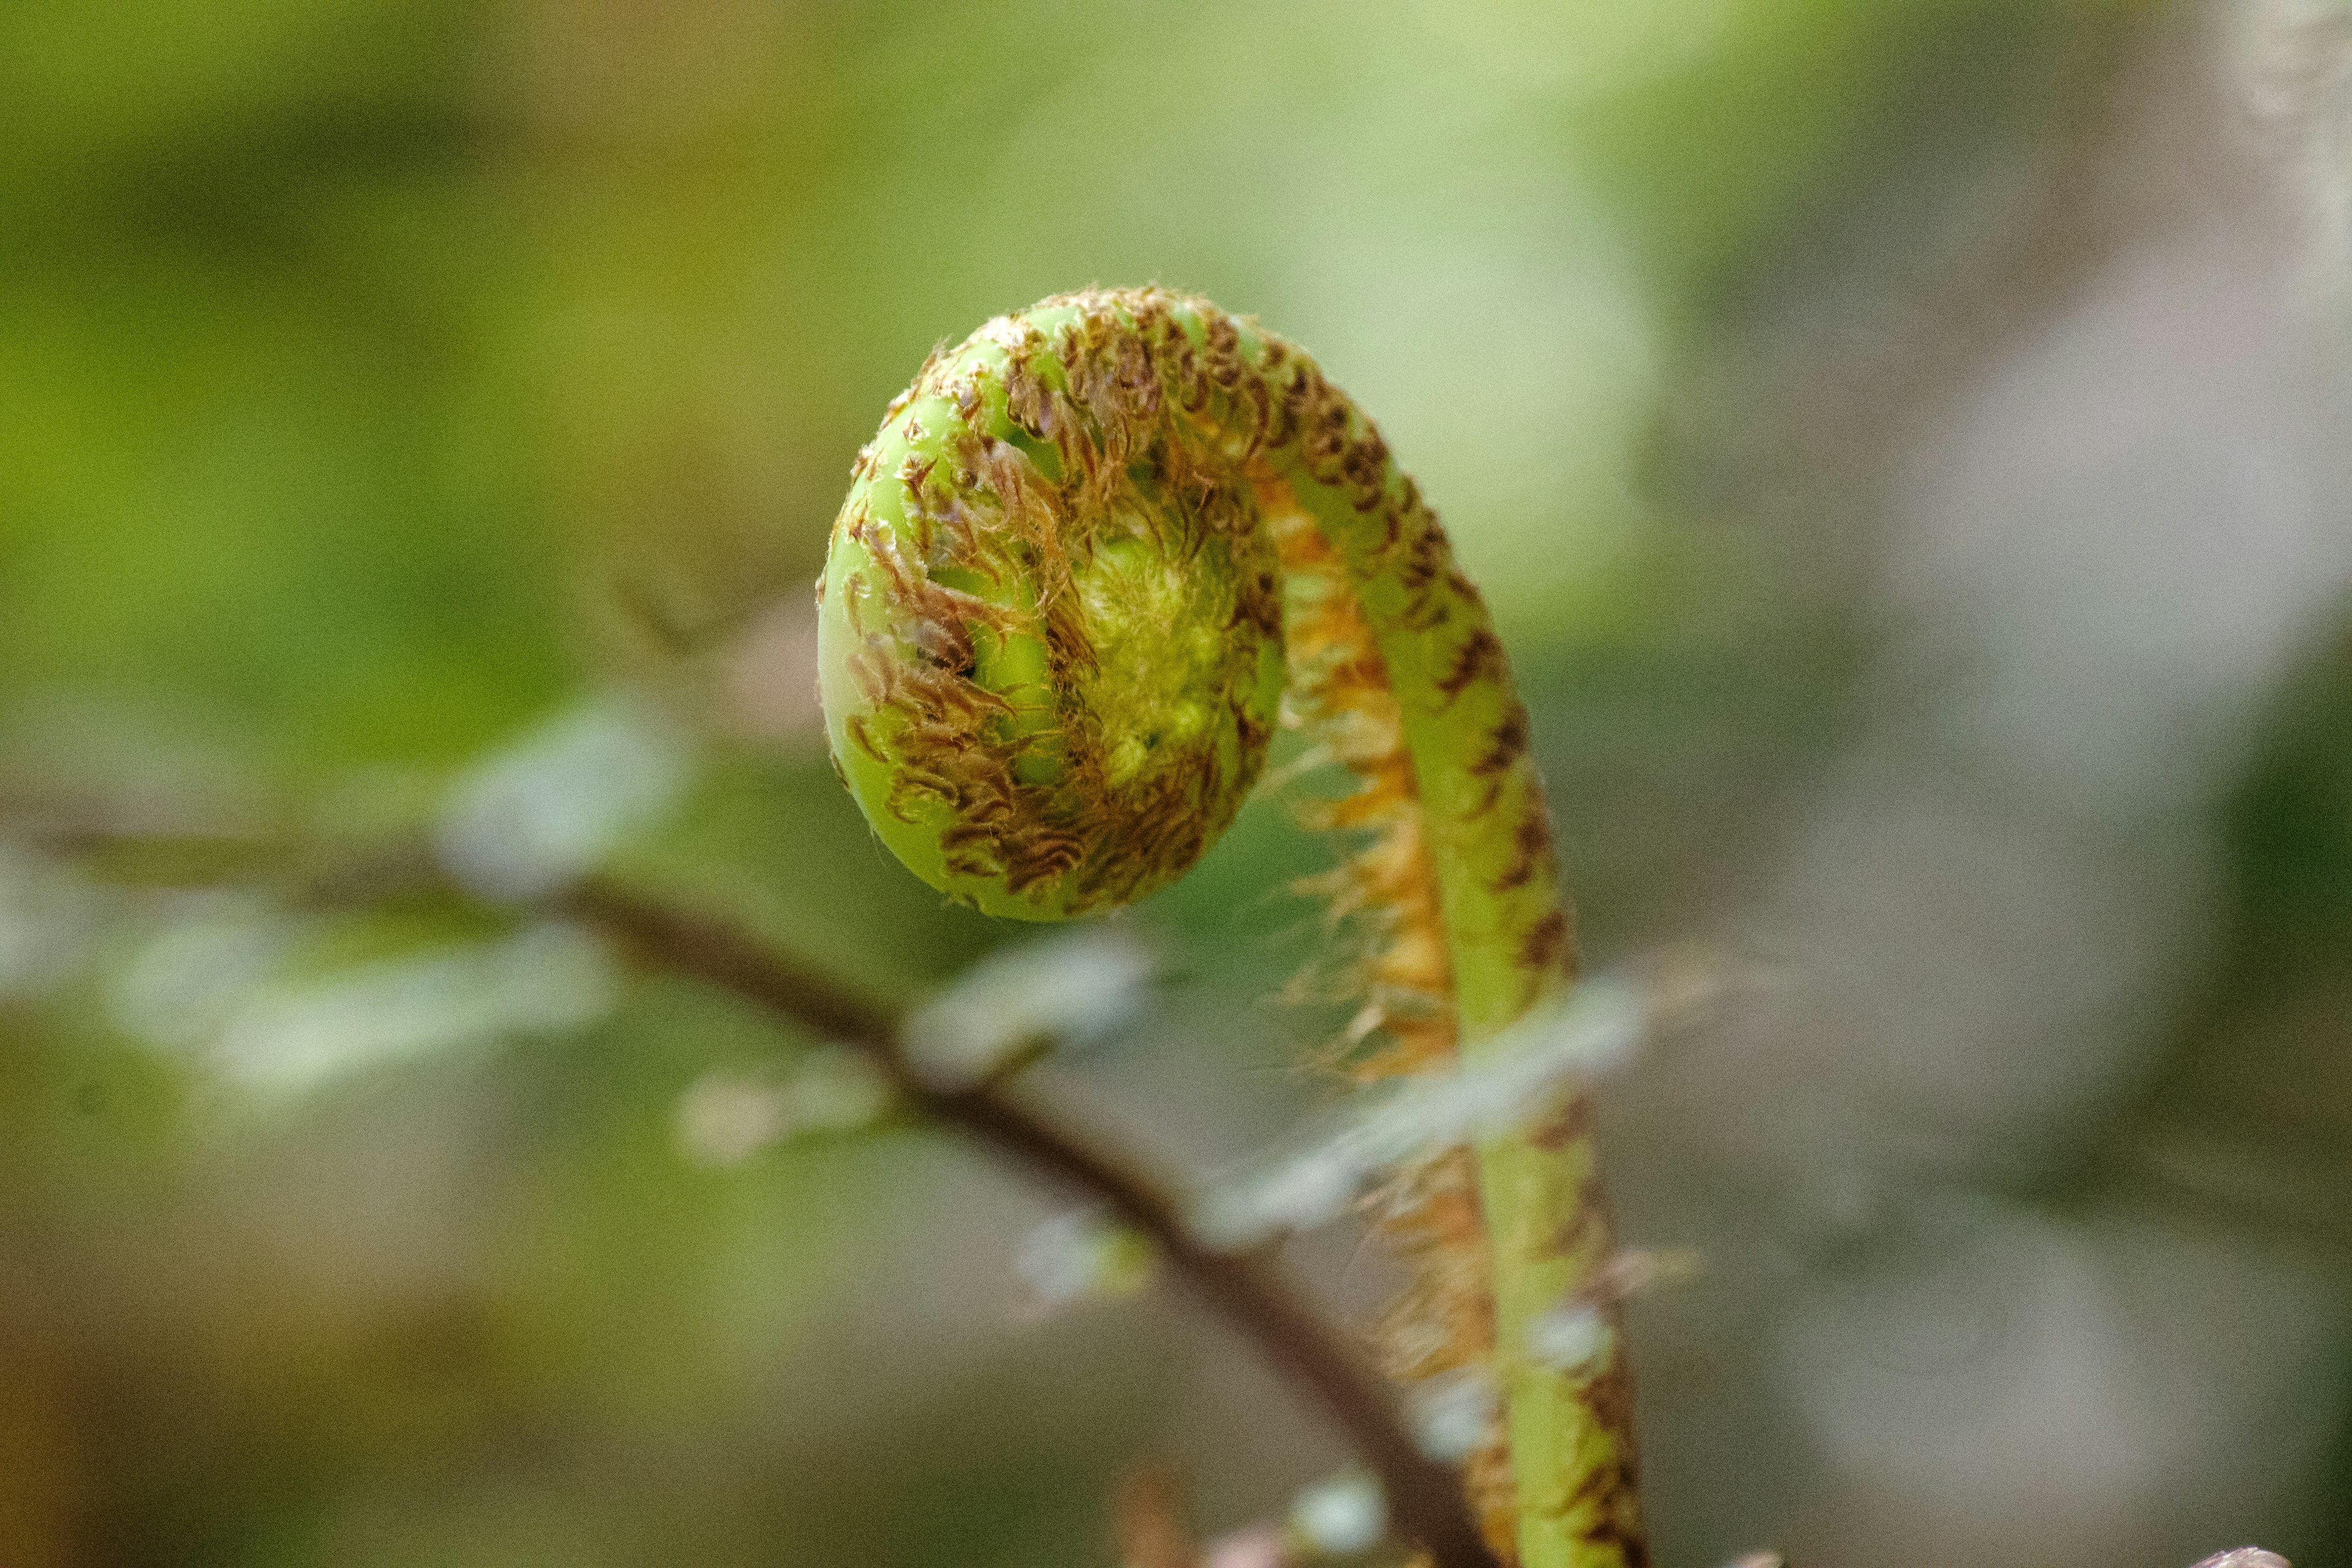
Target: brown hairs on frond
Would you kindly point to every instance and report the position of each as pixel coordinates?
(1384, 894)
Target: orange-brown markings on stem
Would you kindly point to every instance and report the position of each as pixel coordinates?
(1364, 463)
(1506, 745)
(1570, 1122)
(1478, 660)
(1610, 1493)
(1424, 558)
(1223, 349)
(1550, 944)
(1263, 415)
(1608, 1527)
(1386, 891)
(1587, 1232)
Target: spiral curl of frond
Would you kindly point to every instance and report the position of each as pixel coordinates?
(1075, 572)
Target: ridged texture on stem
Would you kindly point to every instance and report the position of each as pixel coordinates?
(1052, 643)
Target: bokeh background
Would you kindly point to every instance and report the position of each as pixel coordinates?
(1903, 441)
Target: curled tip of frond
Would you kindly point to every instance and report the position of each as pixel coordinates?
(1050, 627)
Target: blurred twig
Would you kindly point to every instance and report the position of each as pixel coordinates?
(1426, 1498)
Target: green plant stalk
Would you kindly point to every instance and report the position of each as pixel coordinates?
(1004, 634)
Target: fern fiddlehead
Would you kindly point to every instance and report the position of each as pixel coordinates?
(1061, 603)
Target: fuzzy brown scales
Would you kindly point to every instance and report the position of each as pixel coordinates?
(1387, 889)
(1551, 945)
(1617, 1521)
(1506, 745)
(993, 514)
(1479, 658)
(1530, 848)
(935, 705)
(1306, 404)
(1428, 1212)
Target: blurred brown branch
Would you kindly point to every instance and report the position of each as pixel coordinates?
(1426, 1498)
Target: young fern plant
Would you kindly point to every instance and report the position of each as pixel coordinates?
(1096, 553)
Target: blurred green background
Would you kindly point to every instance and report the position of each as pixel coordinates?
(1903, 441)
